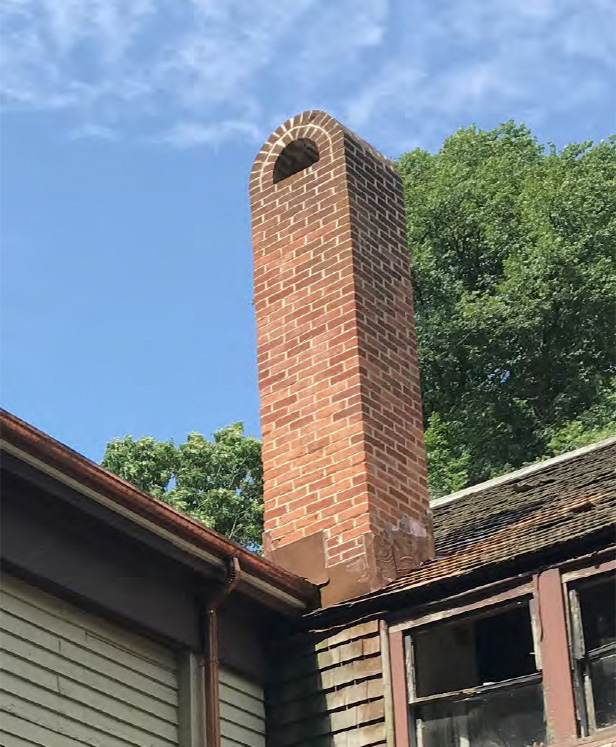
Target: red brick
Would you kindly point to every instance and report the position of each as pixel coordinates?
(338, 374)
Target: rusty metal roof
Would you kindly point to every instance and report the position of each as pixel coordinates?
(526, 511)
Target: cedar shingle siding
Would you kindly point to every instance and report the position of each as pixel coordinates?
(328, 690)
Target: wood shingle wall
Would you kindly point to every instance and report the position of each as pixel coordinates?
(329, 690)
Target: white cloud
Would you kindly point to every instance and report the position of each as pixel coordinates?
(202, 72)
(93, 131)
(452, 63)
(391, 83)
(189, 134)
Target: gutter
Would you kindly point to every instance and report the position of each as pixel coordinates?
(89, 479)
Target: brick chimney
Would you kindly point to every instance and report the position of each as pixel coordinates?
(346, 500)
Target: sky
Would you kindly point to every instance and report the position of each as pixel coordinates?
(127, 132)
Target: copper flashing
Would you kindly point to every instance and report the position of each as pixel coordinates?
(21, 437)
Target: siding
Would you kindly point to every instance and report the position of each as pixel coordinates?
(69, 679)
(328, 690)
(242, 711)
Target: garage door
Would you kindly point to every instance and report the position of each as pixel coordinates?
(69, 679)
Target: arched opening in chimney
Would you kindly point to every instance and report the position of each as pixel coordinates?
(296, 156)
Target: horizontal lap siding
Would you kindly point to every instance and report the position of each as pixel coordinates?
(69, 679)
(242, 711)
(328, 691)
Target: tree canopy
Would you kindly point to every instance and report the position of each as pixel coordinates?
(218, 482)
(512, 258)
(512, 252)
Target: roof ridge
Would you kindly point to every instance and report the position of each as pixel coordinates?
(523, 471)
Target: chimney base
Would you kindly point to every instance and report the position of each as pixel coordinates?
(385, 557)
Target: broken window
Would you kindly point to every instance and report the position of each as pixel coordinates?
(476, 682)
(593, 629)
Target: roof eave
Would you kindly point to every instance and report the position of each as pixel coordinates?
(96, 483)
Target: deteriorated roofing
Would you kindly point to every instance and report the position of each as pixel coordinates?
(533, 509)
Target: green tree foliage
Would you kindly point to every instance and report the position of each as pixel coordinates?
(512, 257)
(219, 482)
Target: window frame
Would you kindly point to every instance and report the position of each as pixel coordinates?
(520, 596)
(580, 658)
(548, 603)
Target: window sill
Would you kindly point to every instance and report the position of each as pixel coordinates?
(603, 738)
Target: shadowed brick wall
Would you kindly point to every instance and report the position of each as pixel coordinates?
(346, 501)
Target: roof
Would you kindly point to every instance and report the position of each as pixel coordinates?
(96, 483)
(570, 497)
(538, 507)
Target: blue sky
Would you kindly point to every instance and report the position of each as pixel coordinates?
(128, 130)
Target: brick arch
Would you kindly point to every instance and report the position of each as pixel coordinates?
(324, 130)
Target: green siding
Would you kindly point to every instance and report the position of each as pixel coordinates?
(68, 678)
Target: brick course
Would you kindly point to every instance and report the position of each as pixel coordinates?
(341, 412)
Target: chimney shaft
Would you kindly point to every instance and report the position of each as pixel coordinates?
(346, 501)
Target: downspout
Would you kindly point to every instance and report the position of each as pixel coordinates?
(212, 690)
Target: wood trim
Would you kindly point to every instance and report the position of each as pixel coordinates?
(471, 692)
(399, 689)
(557, 680)
(591, 570)
(388, 687)
(525, 589)
(191, 699)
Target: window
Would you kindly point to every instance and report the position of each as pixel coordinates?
(297, 156)
(593, 631)
(475, 681)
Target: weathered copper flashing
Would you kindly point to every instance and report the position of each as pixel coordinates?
(306, 556)
(61, 458)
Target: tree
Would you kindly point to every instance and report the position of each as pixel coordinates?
(512, 258)
(219, 482)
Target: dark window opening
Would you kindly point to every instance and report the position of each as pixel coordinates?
(504, 718)
(474, 682)
(474, 652)
(593, 617)
(598, 608)
(295, 157)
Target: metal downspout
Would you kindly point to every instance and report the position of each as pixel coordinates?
(212, 689)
